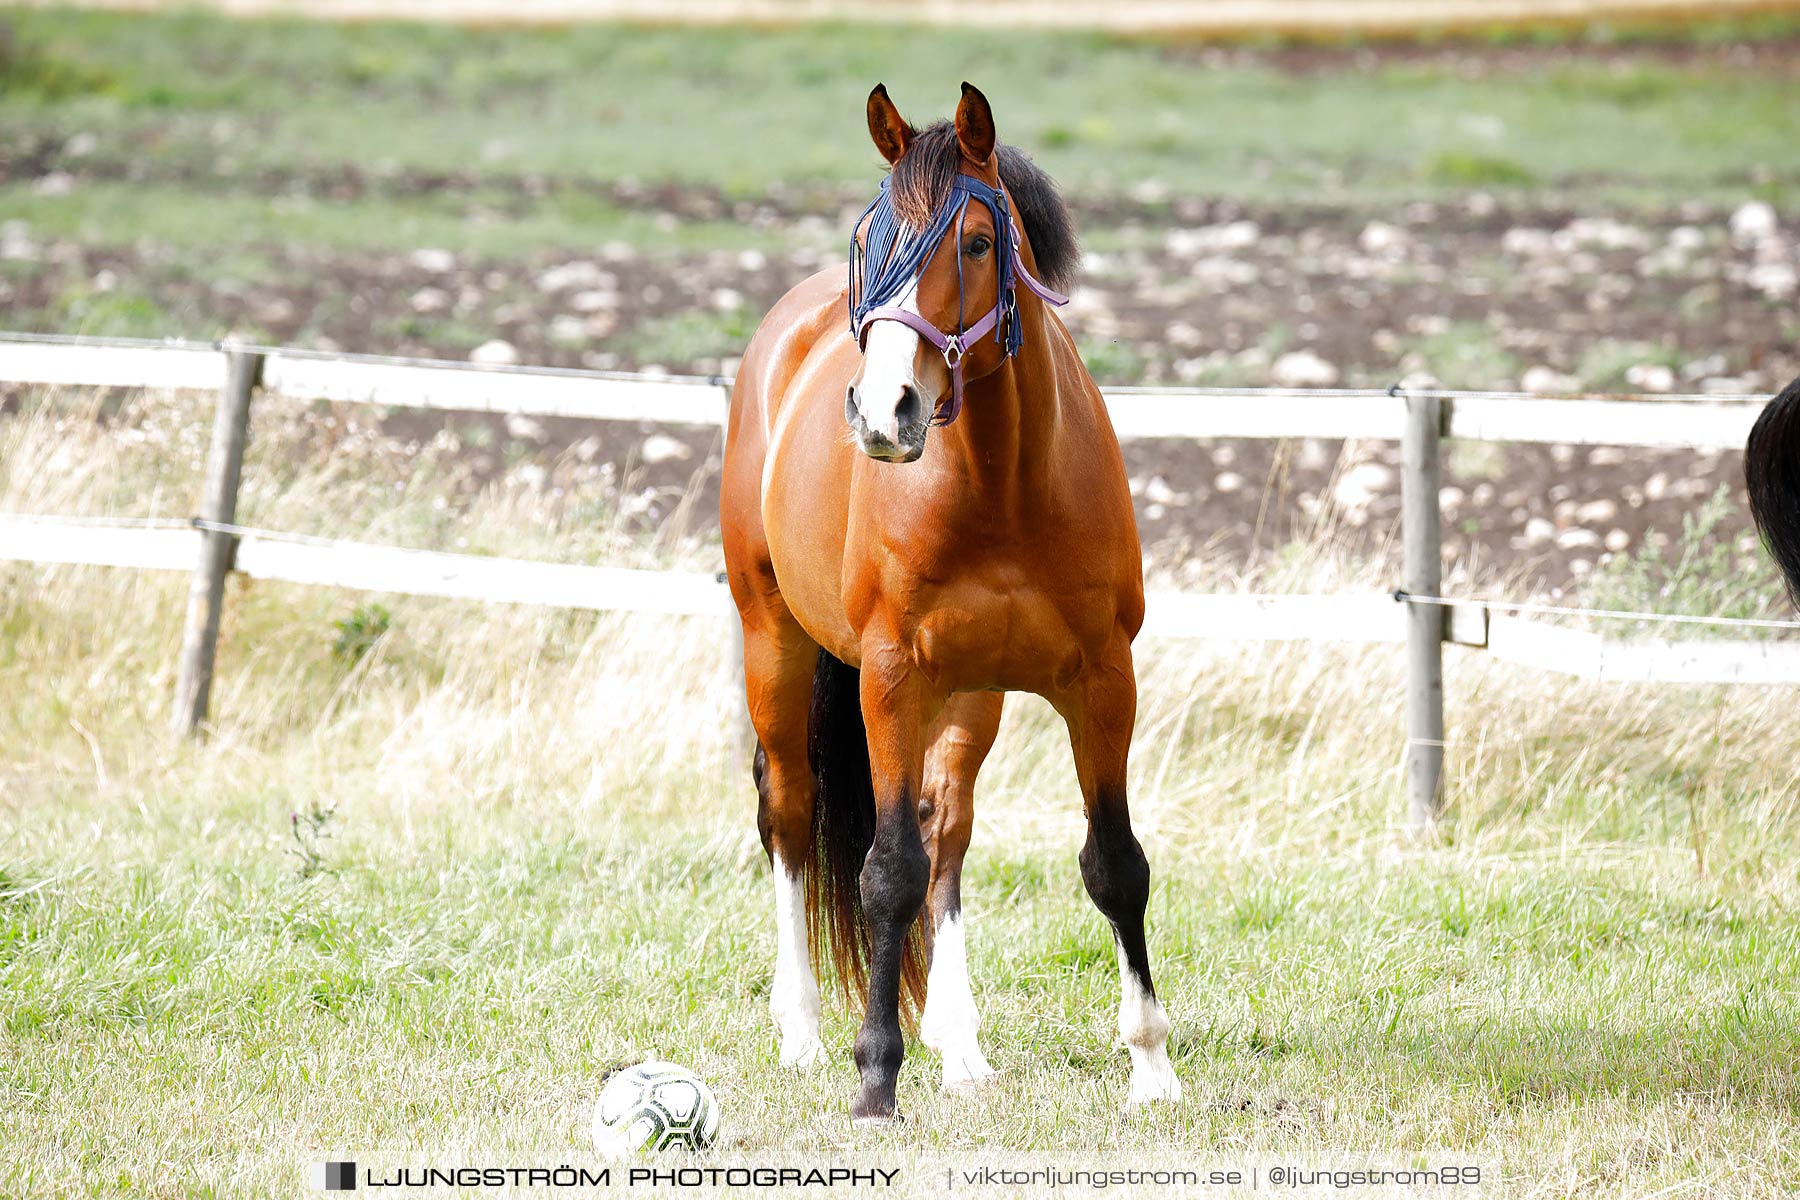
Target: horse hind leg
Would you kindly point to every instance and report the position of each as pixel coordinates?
(958, 743)
(778, 677)
(1117, 874)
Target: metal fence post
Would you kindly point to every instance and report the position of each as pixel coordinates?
(1422, 531)
(206, 594)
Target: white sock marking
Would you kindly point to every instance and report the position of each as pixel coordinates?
(794, 998)
(1144, 1027)
(950, 1020)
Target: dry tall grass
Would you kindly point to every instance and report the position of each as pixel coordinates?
(541, 858)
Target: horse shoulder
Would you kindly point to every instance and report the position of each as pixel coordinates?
(1101, 508)
(777, 352)
(797, 322)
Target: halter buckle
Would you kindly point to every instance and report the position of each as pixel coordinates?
(953, 350)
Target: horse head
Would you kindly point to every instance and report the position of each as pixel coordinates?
(935, 263)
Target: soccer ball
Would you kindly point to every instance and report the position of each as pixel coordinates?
(655, 1106)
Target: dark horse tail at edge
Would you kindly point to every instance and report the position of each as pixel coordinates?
(837, 747)
(1772, 476)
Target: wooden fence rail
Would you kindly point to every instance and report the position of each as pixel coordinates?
(213, 545)
(1371, 618)
(1693, 422)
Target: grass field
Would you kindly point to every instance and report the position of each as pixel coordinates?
(218, 101)
(213, 138)
(539, 861)
(440, 865)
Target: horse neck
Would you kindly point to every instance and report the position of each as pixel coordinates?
(1007, 437)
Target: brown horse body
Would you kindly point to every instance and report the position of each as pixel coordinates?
(1000, 554)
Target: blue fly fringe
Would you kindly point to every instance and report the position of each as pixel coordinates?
(892, 254)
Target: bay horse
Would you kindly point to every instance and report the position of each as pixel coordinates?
(923, 509)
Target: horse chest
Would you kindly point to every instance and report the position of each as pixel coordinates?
(988, 633)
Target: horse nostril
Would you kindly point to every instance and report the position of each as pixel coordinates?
(850, 405)
(909, 411)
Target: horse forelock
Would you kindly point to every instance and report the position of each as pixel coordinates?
(922, 179)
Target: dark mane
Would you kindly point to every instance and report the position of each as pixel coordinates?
(921, 180)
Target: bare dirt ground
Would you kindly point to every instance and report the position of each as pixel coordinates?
(1181, 290)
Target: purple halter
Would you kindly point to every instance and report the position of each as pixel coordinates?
(901, 254)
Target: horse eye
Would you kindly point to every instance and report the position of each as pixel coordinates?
(979, 246)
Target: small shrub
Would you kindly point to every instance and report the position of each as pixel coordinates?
(1714, 569)
(1270, 1043)
(309, 832)
(1605, 364)
(1461, 169)
(358, 633)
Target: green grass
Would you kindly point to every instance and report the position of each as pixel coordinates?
(214, 163)
(1468, 354)
(476, 223)
(1714, 567)
(199, 106)
(1459, 168)
(541, 861)
(1606, 364)
(685, 336)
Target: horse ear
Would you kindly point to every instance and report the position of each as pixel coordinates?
(975, 125)
(887, 128)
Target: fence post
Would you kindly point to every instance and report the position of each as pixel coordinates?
(1422, 532)
(206, 593)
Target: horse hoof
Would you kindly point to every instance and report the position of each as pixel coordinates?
(969, 1085)
(803, 1056)
(873, 1112)
(968, 1075)
(1154, 1085)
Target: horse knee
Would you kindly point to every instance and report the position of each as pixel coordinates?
(784, 809)
(958, 822)
(765, 823)
(1115, 871)
(895, 874)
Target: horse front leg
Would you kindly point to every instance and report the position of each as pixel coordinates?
(895, 875)
(1113, 866)
(956, 746)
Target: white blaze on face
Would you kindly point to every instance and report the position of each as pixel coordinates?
(949, 1023)
(794, 998)
(1144, 1028)
(889, 353)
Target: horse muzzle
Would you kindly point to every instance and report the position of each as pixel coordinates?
(897, 438)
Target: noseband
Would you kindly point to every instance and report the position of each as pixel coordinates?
(899, 256)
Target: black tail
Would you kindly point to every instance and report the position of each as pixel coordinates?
(843, 830)
(1772, 475)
